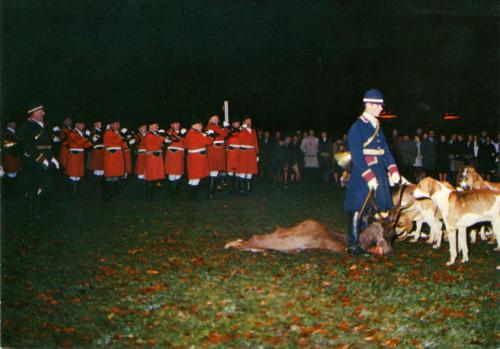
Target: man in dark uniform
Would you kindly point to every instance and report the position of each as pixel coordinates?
(36, 160)
(373, 168)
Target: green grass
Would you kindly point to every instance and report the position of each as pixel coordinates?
(136, 274)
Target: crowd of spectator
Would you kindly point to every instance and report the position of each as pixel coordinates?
(286, 158)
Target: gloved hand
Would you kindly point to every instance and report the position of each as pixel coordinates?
(210, 132)
(167, 140)
(131, 141)
(123, 130)
(95, 138)
(55, 163)
(161, 131)
(87, 133)
(373, 184)
(183, 131)
(225, 124)
(244, 126)
(45, 164)
(56, 129)
(258, 159)
(394, 178)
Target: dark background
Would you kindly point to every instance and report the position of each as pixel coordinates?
(289, 64)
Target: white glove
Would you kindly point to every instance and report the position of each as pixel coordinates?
(45, 163)
(394, 179)
(56, 129)
(87, 132)
(161, 131)
(95, 138)
(55, 163)
(1, 171)
(225, 124)
(244, 126)
(183, 131)
(56, 139)
(123, 130)
(210, 132)
(167, 140)
(373, 184)
(132, 141)
(257, 159)
(108, 126)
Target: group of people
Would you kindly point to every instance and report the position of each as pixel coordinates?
(424, 154)
(112, 153)
(231, 154)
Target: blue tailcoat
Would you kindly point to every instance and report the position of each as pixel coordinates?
(357, 188)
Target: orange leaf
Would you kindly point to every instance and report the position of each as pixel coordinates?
(152, 272)
(303, 342)
(69, 330)
(344, 326)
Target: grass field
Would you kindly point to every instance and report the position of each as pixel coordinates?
(131, 273)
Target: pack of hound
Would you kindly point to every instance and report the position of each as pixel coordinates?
(451, 212)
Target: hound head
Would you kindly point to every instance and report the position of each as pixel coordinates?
(426, 188)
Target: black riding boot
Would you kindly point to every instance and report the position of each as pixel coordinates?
(150, 192)
(73, 188)
(193, 193)
(353, 234)
(29, 206)
(242, 185)
(248, 184)
(108, 189)
(174, 185)
(211, 189)
(98, 185)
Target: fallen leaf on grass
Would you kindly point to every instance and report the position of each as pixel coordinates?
(152, 272)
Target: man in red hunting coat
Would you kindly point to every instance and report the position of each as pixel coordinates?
(174, 156)
(11, 159)
(249, 150)
(154, 168)
(114, 163)
(97, 154)
(140, 161)
(196, 143)
(233, 155)
(63, 137)
(77, 143)
(216, 152)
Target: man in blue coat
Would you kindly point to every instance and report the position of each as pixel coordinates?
(373, 168)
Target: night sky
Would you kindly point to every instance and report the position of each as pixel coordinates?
(289, 64)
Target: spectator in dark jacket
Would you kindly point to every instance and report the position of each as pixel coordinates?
(459, 152)
(265, 150)
(296, 159)
(486, 158)
(429, 155)
(325, 152)
(443, 152)
(407, 153)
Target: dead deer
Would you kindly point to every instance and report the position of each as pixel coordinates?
(377, 238)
